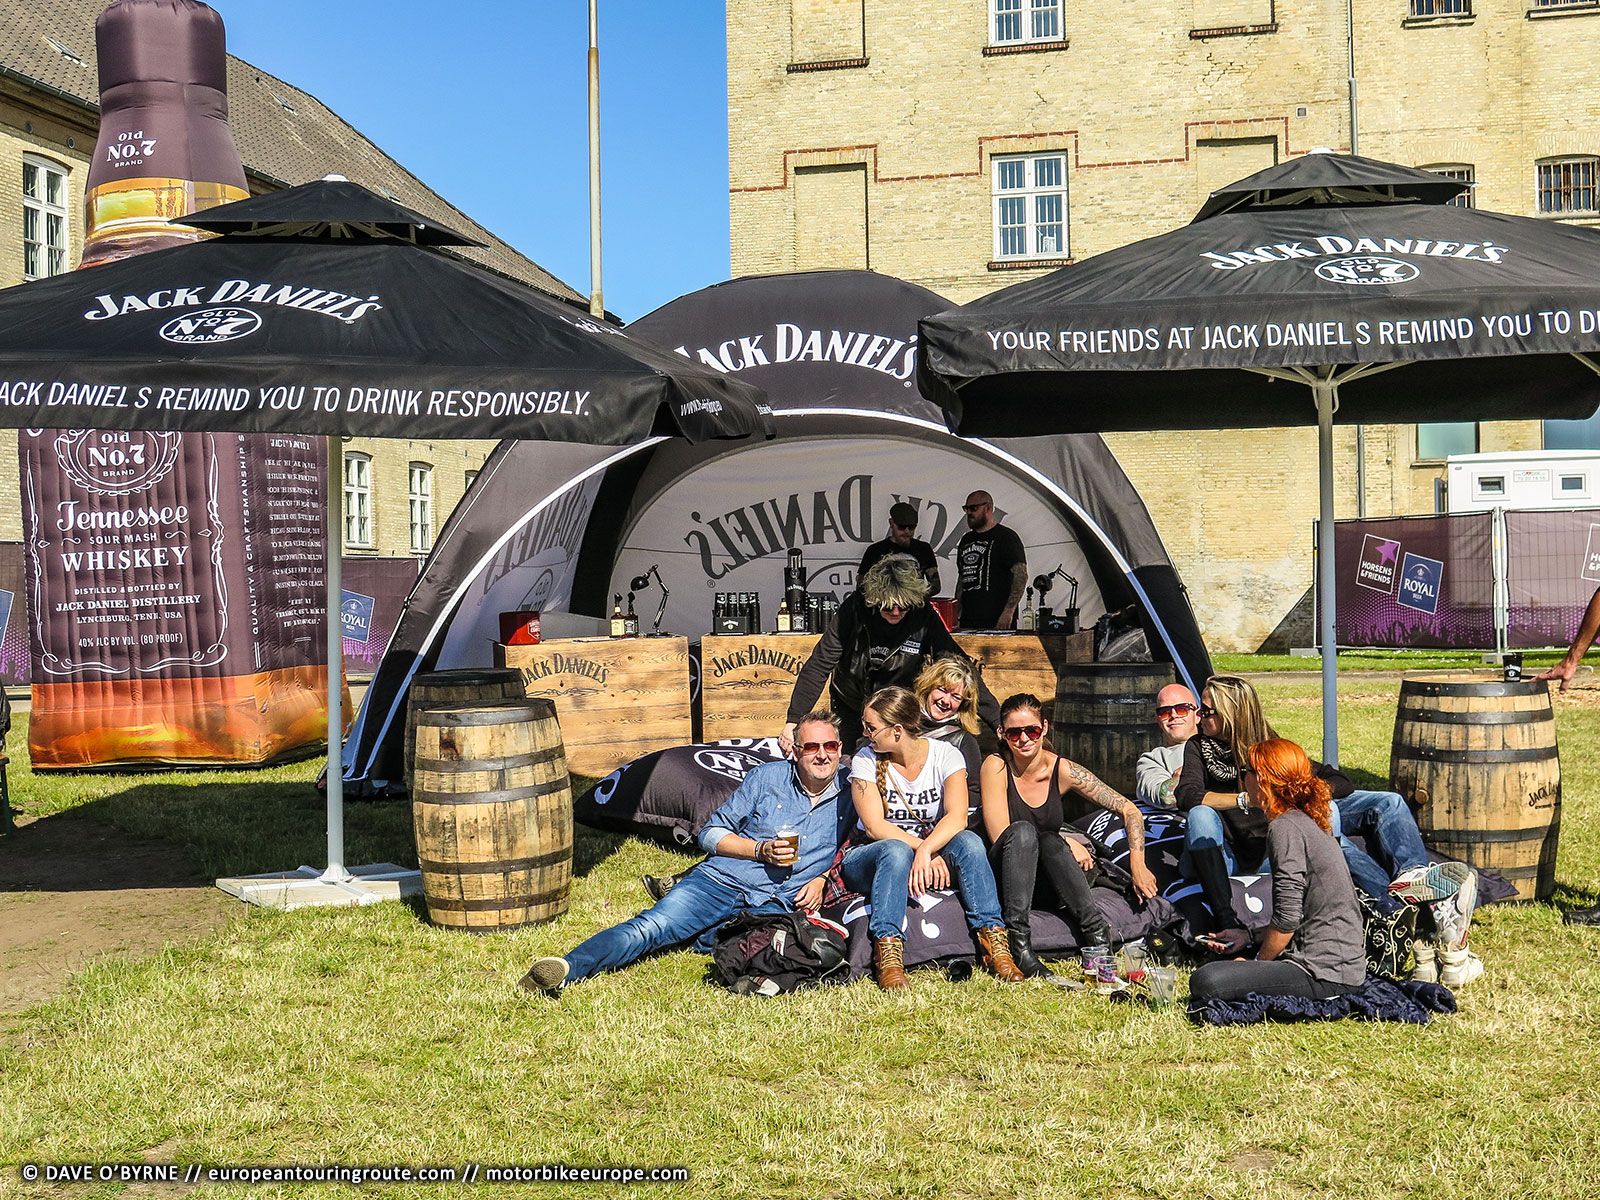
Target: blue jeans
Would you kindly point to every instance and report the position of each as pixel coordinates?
(881, 871)
(1203, 829)
(694, 908)
(1391, 834)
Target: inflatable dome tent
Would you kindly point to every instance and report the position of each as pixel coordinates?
(563, 528)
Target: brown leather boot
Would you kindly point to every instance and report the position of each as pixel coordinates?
(996, 948)
(889, 963)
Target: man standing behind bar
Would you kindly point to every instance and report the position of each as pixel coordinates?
(902, 539)
(992, 569)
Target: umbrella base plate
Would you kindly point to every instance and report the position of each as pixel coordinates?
(309, 887)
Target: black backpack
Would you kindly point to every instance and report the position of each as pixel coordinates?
(768, 954)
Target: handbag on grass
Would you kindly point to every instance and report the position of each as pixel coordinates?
(1388, 937)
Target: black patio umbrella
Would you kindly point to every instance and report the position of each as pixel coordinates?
(1327, 271)
(300, 319)
(327, 309)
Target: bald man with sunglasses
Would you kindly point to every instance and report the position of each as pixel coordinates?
(1156, 774)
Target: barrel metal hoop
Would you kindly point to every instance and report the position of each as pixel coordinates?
(526, 900)
(1488, 837)
(460, 766)
(1434, 716)
(467, 677)
(496, 866)
(1496, 687)
(504, 795)
(454, 714)
(1429, 754)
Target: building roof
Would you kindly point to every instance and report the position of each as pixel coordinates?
(285, 135)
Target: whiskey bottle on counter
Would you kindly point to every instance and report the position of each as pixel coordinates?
(784, 623)
(630, 623)
(618, 622)
(1028, 619)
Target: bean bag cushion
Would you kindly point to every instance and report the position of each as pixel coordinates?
(668, 795)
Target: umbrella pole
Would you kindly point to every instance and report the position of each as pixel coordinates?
(334, 572)
(1327, 394)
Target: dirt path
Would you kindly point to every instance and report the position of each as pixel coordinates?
(73, 889)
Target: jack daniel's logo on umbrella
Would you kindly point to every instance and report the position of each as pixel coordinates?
(1358, 260)
(321, 301)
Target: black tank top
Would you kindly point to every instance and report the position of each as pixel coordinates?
(1049, 816)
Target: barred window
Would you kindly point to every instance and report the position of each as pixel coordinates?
(1441, 8)
(358, 500)
(1030, 206)
(1461, 172)
(1566, 185)
(1017, 22)
(44, 218)
(419, 502)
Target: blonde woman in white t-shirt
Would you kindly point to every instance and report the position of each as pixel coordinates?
(910, 795)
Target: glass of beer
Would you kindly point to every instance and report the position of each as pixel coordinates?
(786, 846)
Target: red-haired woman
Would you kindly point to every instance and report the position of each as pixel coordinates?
(1315, 946)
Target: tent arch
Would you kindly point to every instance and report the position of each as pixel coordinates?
(567, 547)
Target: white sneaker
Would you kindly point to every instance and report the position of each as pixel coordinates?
(1431, 881)
(1459, 968)
(1427, 968)
(1452, 918)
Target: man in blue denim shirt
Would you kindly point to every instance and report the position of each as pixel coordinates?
(750, 868)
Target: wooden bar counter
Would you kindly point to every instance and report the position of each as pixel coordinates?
(746, 681)
(616, 698)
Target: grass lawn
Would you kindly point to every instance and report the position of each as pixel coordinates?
(363, 1036)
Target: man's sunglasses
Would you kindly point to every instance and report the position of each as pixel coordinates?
(813, 747)
(973, 507)
(1167, 710)
(1016, 733)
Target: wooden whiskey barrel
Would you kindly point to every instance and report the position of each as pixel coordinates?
(1105, 717)
(492, 809)
(466, 685)
(1477, 758)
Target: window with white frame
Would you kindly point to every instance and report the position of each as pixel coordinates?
(1567, 185)
(419, 502)
(358, 500)
(1461, 173)
(1030, 206)
(1018, 22)
(44, 218)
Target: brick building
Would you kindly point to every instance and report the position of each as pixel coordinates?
(968, 145)
(397, 492)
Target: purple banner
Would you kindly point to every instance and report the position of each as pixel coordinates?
(1416, 581)
(375, 591)
(1552, 568)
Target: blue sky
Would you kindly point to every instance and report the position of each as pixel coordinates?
(485, 100)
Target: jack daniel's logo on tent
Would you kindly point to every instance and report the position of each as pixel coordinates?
(825, 517)
(895, 357)
(1370, 264)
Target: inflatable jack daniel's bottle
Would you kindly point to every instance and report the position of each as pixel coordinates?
(165, 149)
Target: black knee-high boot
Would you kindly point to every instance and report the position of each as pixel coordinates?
(1211, 868)
(1016, 864)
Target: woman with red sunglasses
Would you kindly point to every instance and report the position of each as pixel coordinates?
(1025, 812)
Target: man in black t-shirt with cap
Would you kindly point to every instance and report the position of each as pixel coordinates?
(991, 567)
(903, 539)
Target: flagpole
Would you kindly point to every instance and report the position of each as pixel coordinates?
(596, 302)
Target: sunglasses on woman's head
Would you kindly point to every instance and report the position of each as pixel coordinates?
(813, 747)
(1167, 710)
(1015, 733)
